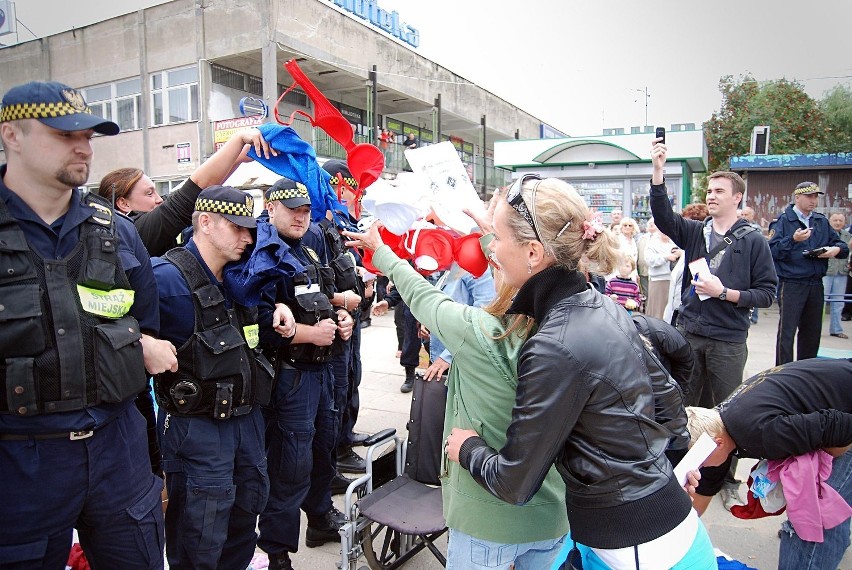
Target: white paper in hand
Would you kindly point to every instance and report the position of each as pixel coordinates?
(694, 457)
(700, 269)
(451, 189)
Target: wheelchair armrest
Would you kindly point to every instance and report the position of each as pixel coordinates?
(379, 437)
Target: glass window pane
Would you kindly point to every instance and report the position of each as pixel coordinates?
(183, 76)
(193, 95)
(98, 109)
(158, 108)
(157, 81)
(126, 113)
(129, 87)
(101, 93)
(178, 105)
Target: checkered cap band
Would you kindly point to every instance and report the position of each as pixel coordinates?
(223, 207)
(39, 111)
(351, 182)
(300, 191)
(809, 189)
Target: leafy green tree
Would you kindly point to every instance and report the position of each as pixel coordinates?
(797, 123)
(836, 105)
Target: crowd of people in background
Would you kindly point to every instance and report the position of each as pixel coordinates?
(577, 370)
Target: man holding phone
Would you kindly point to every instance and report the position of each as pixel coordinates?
(801, 242)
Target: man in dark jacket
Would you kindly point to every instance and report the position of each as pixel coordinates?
(742, 276)
(781, 412)
(801, 243)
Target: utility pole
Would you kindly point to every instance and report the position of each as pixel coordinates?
(647, 96)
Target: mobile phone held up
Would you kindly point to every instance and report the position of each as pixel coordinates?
(660, 133)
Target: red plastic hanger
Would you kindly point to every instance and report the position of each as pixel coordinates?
(365, 161)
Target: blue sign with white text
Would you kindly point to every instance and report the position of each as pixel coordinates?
(388, 21)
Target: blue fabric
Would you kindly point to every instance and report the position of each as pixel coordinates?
(798, 554)
(218, 485)
(270, 259)
(834, 288)
(700, 555)
(298, 161)
(466, 552)
(102, 485)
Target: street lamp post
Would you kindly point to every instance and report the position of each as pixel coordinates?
(647, 96)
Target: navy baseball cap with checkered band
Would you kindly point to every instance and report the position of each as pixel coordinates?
(232, 204)
(54, 104)
(289, 192)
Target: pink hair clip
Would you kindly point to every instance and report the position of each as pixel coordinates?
(591, 228)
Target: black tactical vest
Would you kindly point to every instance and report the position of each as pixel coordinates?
(220, 372)
(65, 343)
(313, 290)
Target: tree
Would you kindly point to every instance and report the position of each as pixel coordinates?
(836, 105)
(797, 123)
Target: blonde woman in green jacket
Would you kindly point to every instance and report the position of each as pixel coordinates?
(485, 532)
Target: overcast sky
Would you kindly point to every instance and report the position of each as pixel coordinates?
(584, 66)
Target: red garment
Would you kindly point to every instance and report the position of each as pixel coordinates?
(812, 505)
(77, 558)
(753, 509)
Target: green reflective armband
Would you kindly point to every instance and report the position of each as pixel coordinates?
(252, 335)
(112, 304)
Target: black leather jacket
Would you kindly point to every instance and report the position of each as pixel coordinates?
(586, 401)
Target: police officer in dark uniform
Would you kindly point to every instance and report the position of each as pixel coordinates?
(347, 365)
(210, 429)
(76, 294)
(801, 243)
(302, 420)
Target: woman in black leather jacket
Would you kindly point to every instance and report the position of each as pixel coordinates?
(585, 397)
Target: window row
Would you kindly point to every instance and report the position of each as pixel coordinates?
(174, 99)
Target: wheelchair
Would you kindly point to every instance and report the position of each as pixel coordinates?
(395, 510)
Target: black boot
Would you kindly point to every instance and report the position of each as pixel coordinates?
(280, 561)
(322, 529)
(340, 483)
(349, 461)
(408, 385)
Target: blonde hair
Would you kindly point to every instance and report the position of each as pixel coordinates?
(703, 420)
(518, 324)
(559, 213)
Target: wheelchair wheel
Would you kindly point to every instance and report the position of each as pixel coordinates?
(390, 541)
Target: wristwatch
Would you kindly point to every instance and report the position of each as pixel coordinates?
(723, 296)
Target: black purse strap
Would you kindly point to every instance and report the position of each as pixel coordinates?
(729, 237)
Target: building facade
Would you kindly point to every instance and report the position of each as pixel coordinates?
(172, 76)
(771, 179)
(611, 171)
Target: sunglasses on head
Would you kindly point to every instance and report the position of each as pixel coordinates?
(516, 199)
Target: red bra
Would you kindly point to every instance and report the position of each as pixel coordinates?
(433, 249)
(365, 161)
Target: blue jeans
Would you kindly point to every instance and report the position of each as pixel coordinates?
(217, 483)
(834, 288)
(301, 430)
(465, 552)
(102, 485)
(797, 554)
